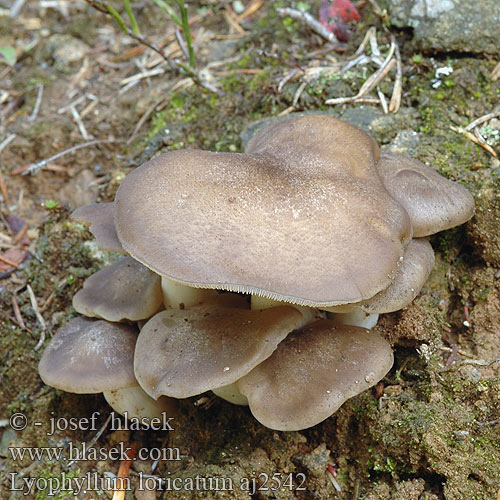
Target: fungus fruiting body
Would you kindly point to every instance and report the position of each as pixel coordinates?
(259, 275)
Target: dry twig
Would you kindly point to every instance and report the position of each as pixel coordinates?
(313, 23)
(396, 92)
(39, 317)
(17, 313)
(376, 77)
(474, 139)
(35, 167)
(38, 102)
(7, 141)
(482, 119)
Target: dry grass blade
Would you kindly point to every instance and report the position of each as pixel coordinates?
(35, 167)
(289, 76)
(252, 8)
(371, 32)
(313, 23)
(371, 82)
(38, 102)
(398, 84)
(9, 262)
(3, 189)
(79, 123)
(482, 119)
(36, 310)
(17, 313)
(474, 139)
(7, 141)
(495, 74)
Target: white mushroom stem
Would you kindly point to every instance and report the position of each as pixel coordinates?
(232, 394)
(309, 314)
(180, 296)
(357, 317)
(138, 404)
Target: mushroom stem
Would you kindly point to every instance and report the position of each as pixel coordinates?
(138, 404)
(356, 317)
(179, 296)
(309, 314)
(232, 394)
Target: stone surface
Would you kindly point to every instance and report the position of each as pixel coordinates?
(450, 25)
(66, 49)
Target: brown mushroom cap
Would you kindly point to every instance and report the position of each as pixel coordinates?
(409, 280)
(244, 222)
(433, 202)
(124, 290)
(102, 225)
(184, 353)
(313, 372)
(319, 140)
(89, 356)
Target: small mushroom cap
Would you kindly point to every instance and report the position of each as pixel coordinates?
(184, 353)
(332, 145)
(102, 225)
(124, 290)
(433, 202)
(313, 372)
(316, 230)
(409, 280)
(89, 356)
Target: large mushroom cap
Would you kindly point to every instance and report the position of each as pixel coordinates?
(312, 372)
(88, 356)
(245, 222)
(181, 353)
(433, 202)
(124, 290)
(100, 218)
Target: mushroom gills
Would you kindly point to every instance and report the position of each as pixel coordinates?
(309, 314)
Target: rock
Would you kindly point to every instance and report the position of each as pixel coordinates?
(66, 49)
(405, 142)
(314, 462)
(81, 190)
(370, 119)
(450, 25)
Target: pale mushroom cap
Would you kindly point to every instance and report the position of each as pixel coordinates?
(124, 290)
(433, 202)
(102, 226)
(89, 356)
(184, 353)
(313, 372)
(307, 230)
(409, 280)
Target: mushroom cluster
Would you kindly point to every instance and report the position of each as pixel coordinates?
(256, 275)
